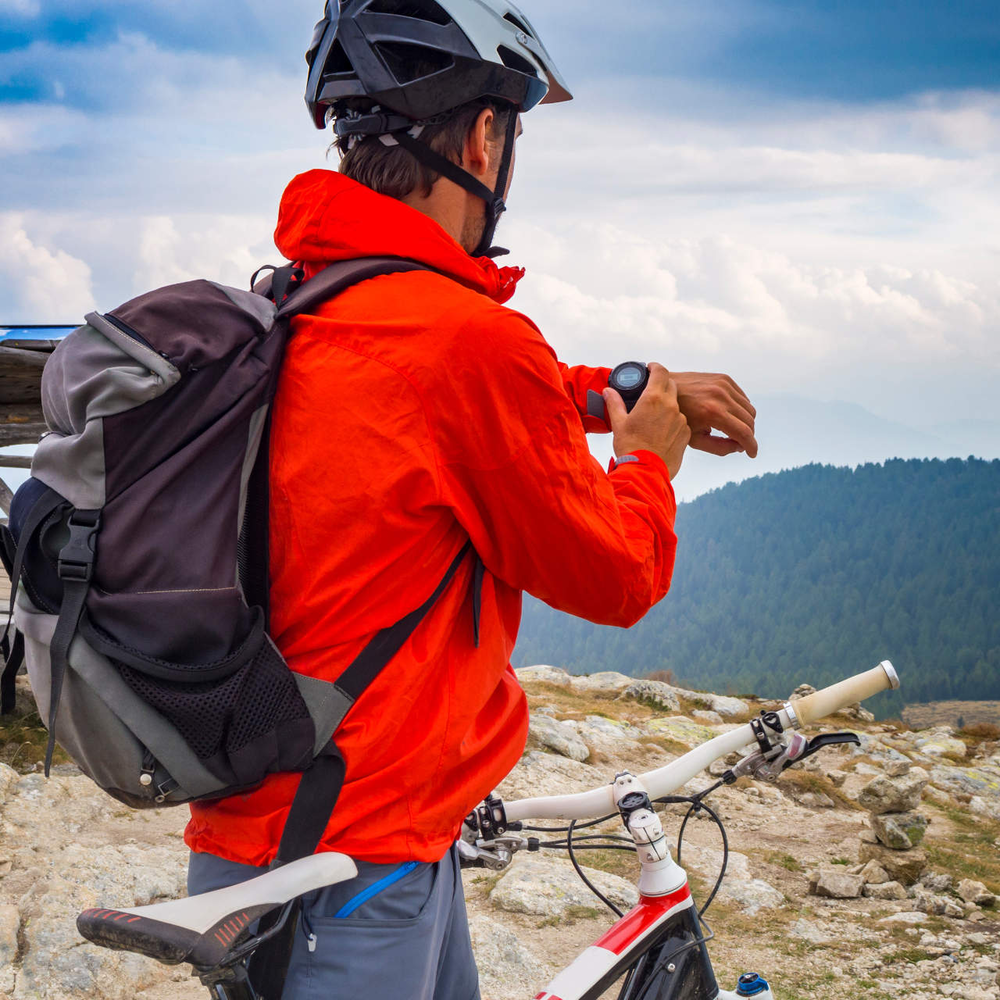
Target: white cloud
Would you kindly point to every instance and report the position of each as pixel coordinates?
(25, 8)
(43, 285)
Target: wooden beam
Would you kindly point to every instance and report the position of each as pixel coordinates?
(21, 375)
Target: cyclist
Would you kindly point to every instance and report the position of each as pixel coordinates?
(415, 413)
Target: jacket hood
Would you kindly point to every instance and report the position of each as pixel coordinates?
(326, 217)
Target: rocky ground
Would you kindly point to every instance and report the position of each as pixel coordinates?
(813, 898)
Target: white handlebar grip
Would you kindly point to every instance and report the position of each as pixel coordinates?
(837, 696)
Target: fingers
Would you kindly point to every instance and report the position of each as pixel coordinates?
(736, 429)
(615, 406)
(660, 380)
(714, 445)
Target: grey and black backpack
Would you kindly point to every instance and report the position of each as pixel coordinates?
(140, 547)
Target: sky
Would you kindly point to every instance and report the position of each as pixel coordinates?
(802, 194)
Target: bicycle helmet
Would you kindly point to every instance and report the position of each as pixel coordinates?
(421, 59)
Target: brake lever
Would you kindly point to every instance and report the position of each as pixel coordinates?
(495, 854)
(769, 766)
(817, 743)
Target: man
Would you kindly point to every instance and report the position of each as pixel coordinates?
(415, 413)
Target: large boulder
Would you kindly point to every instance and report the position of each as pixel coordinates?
(884, 794)
(557, 736)
(682, 730)
(543, 674)
(506, 966)
(541, 773)
(550, 887)
(605, 682)
(654, 693)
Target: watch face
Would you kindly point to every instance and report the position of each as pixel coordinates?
(629, 376)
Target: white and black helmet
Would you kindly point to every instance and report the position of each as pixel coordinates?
(419, 60)
(422, 58)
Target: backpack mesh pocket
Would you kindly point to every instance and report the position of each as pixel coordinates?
(234, 725)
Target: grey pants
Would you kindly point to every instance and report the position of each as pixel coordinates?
(395, 931)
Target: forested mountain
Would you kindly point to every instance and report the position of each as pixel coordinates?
(812, 574)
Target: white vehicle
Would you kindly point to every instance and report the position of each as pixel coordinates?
(658, 947)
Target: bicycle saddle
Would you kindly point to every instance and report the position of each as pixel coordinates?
(203, 929)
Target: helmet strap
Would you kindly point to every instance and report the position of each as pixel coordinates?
(494, 200)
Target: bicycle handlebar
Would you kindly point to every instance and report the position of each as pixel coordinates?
(666, 780)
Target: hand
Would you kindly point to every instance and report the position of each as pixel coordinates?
(716, 402)
(655, 424)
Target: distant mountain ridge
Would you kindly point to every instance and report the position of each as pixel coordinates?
(813, 574)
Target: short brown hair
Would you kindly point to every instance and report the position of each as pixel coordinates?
(392, 171)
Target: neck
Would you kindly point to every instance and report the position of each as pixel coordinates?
(459, 213)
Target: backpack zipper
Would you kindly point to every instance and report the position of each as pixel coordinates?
(129, 332)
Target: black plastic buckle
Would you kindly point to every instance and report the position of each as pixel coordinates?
(766, 746)
(371, 124)
(492, 818)
(77, 556)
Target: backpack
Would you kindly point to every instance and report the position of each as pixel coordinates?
(140, 544)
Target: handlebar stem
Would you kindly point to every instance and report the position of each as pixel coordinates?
(660, 874)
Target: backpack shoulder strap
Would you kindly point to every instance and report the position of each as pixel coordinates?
(337, 277)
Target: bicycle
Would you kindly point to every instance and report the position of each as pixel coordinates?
(659, 946)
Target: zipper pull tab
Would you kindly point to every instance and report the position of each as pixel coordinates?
(310, 934)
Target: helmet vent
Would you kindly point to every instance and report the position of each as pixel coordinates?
(421, 10)
(408, 63)
(513, 60)
(519, 24)
(337, 61)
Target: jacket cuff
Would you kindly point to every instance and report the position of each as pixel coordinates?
(641, 457)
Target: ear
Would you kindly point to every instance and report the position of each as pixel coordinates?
(476, 153)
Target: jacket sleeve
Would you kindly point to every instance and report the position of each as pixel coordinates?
(578, 380)
(515, 469)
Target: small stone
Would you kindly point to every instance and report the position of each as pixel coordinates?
(884, 890)
(937, 881)
(897, 768)
(836, 884)
(883, 794)
(837, 778)
(874, 873)
(927, 902)
(815, 800)
(975, 892)
(900, 831)
(801, 691)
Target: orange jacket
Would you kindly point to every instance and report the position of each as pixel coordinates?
(415, 412)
